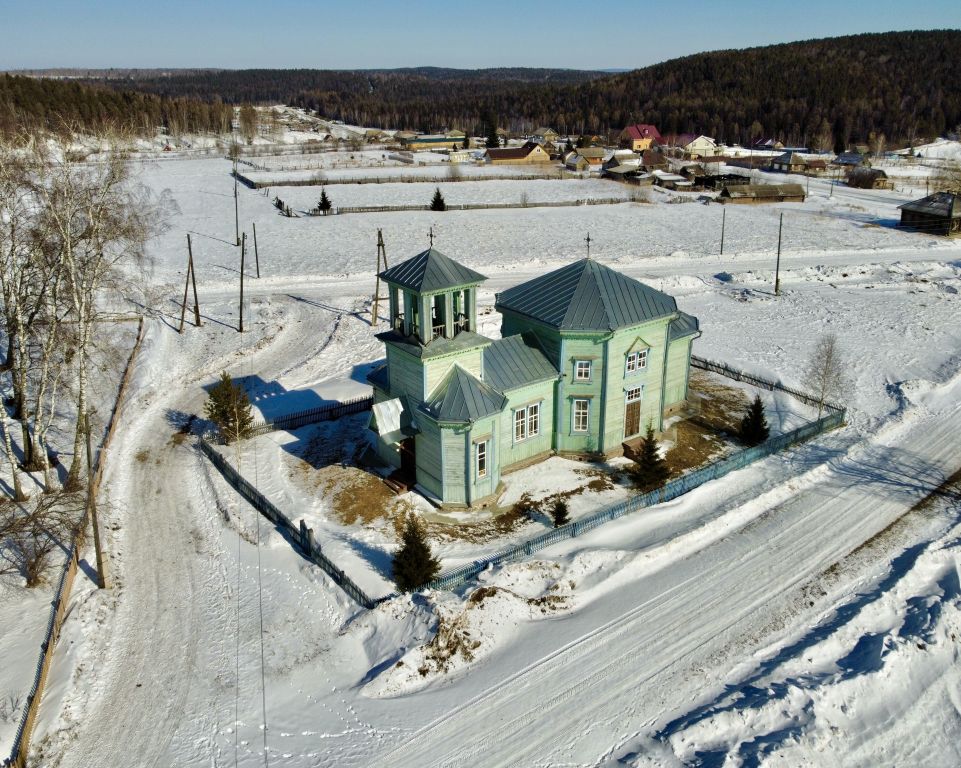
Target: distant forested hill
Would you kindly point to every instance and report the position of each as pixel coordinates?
(832, 91)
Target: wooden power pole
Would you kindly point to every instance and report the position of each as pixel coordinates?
(243, 248)
(191, 279)
(381, 265)
(777, 264)
(723, 222)
(236, 210)
(92, 508)
(256, 252)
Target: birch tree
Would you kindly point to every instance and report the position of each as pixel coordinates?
(824, 376)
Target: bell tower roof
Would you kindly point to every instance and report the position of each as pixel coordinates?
(431, 272)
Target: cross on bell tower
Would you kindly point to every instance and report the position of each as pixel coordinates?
(588, 241)
(431, 236)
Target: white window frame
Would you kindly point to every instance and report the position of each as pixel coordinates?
(533, 419)
(527, 422)
(577, 370)
(627, 394)
(587, 415)
(520, 425)
(636, 361)
(481, 458)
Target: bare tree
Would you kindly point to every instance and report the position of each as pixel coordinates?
(31, 532)
(825, 376)
(948, 179)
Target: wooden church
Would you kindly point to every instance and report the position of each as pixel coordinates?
(586, 359)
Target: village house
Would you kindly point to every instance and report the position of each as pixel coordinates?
(417, 141)
(789, 162)
(543, 135)
(688, 145)
(593, 155)
(587, 358)
(937, 214)
(528, 154)
(752, 194)
(869, 178)
(575, 162)
(639, 137)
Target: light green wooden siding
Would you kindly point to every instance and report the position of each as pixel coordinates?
(427, 452)
(511, 452)
(650, 335)
(453, 446)
(678, 364)
(436, 369)
(406, 375)
(485, 486)
(581, 347)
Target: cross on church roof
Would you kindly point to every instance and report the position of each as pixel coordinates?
(588, 241)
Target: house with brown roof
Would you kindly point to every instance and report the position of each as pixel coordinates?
(638, 137)
(545, 134)
(528, 154)
(752, 194)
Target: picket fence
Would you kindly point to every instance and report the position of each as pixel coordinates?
(456, 577)
(322, 181)
(313, 415)
(300, 535)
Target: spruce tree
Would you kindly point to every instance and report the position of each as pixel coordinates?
(754, 429)
(228, 407)
(493, 140)
(414, 565)
(651, 470)
(466, 144)
(324, 205)
(559, 513)
(438, 204)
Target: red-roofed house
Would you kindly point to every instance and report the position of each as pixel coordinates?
(639, 137)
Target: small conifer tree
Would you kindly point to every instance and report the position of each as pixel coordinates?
(559, 513)
(651, 470)
(466, 144)
(228, 407)
(754, 429)
(324, 204)
(570, 145)
(438, 204)
(493, 140)
(414, 565)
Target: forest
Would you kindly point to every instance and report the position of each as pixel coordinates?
(828, 92)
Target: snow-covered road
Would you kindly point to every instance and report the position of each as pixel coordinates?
(676, 625)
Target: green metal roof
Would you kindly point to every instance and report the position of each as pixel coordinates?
(683, 325)
(431, 271)
(587, 296)
(510, 363)
(380, 377)
(439, 346)
(462, 397)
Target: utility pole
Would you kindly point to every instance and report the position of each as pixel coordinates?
(92, 508)
(777, 264)
(236, 210)
(243, 248)
(723, 221)
(256, 252)
(381, 259)
(191, 278)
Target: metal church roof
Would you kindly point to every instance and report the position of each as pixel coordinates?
(431, 271)
(510, 363)
(586, 296)
(462, 397)
(682, 326)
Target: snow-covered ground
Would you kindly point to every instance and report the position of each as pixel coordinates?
(731, 624)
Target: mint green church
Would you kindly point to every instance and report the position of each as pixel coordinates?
(586, 359)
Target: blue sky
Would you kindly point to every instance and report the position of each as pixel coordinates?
(487, 33)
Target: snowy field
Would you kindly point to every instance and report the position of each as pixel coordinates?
(765, 618)
(400, 172)
(346, 159)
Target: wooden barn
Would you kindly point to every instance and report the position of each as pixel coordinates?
(937, 214)
(528, 154)
(749, 194)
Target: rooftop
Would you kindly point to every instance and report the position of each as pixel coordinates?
(511, 363)
(463, 398)
(945, 204)
(431, 271)
(586, 296)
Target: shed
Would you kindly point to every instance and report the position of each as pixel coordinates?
(869, 178)
(937, 214)
(747, 194)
